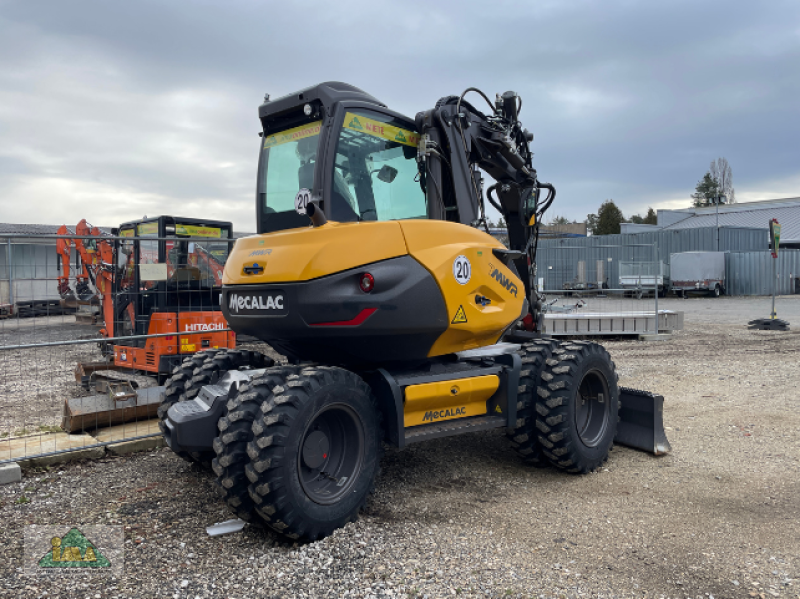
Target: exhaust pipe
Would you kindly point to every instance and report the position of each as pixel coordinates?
(641, 421)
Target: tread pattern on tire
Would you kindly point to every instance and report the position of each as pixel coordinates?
(552, 409)
(235, 433)
(198, 370)
(267, 452)
(177, 386)
(524, 439)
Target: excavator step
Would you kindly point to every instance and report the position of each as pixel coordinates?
(453, 427)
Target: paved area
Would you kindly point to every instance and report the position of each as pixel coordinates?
(463, 517)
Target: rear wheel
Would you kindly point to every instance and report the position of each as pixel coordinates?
(177, 387)
(315, 453)
(206, 368)
(577, 407)
(235, 432)
(524, 439)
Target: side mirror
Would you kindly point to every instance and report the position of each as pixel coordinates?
(387, 173)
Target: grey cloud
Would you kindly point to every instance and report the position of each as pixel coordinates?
(628, 100)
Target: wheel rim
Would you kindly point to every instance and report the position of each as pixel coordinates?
(592, 408)
(331, 454)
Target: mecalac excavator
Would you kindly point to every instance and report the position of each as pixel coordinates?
(400, 317)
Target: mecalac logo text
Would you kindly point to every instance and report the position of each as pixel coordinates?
(238, 302)
(448, 413)
(504, 281)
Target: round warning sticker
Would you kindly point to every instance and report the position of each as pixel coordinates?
(462, 269)
(301, 200)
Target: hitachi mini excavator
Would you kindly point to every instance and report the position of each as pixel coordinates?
(400, 317)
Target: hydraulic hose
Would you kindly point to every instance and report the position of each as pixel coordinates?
(549, 200)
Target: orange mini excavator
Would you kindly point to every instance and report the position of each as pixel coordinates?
(157, 275)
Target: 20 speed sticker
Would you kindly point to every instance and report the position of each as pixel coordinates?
(462, 270)
(301, 201)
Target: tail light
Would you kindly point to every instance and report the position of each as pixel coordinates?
(366, 282)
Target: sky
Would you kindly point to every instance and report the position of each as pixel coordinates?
(114, 110)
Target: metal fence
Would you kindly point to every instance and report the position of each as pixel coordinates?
(637, 247)
(83, 369)
(615, 292)
(750, 273)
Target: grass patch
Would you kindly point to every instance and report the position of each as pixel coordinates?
(49, 429)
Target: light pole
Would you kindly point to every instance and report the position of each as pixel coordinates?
(718, 198)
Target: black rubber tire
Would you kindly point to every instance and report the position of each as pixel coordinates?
(524, 438)
(230, 359)
(274, 472)
(206, 368)
(574, 363)
(177, 386)
(717, 291)
(235, 432)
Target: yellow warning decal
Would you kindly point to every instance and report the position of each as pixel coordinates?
(194, 231)
(148, 229)
(126, 233)
(356, 122)
(293, 134)
(460, 317)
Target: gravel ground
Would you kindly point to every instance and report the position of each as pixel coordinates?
(462, 516)
(35, 382)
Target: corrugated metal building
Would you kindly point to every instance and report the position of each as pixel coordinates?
(29, 265)
(750, 273)
(597, 258)
(747, 214)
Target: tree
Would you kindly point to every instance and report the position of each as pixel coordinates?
(607, 220)
(559, 220)
(651, 218)
(591, 223)
(721, 172)
(705, 191)
(717, 182)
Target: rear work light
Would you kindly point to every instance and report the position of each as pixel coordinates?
(366, 282)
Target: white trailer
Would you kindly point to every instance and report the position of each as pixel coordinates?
(698, 271)
(642, 278)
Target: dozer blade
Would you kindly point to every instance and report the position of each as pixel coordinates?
(98, 411)
(641, 423)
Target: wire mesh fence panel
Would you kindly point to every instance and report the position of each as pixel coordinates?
(92, 326)
(602, 290)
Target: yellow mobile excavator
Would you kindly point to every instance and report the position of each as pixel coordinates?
(401, 318)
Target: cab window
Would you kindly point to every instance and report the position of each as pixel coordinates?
(375, 170)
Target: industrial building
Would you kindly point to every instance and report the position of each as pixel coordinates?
(739, 230)
(747, 214)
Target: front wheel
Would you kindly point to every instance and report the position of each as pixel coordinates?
(315, 453)
(578, 407)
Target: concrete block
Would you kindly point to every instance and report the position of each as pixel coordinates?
(121, 432)
(10, 473)
(127, 447)
(658, 337)
(91, 453)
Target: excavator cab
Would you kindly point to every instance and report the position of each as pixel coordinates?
(166, 285)
(347, 149)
